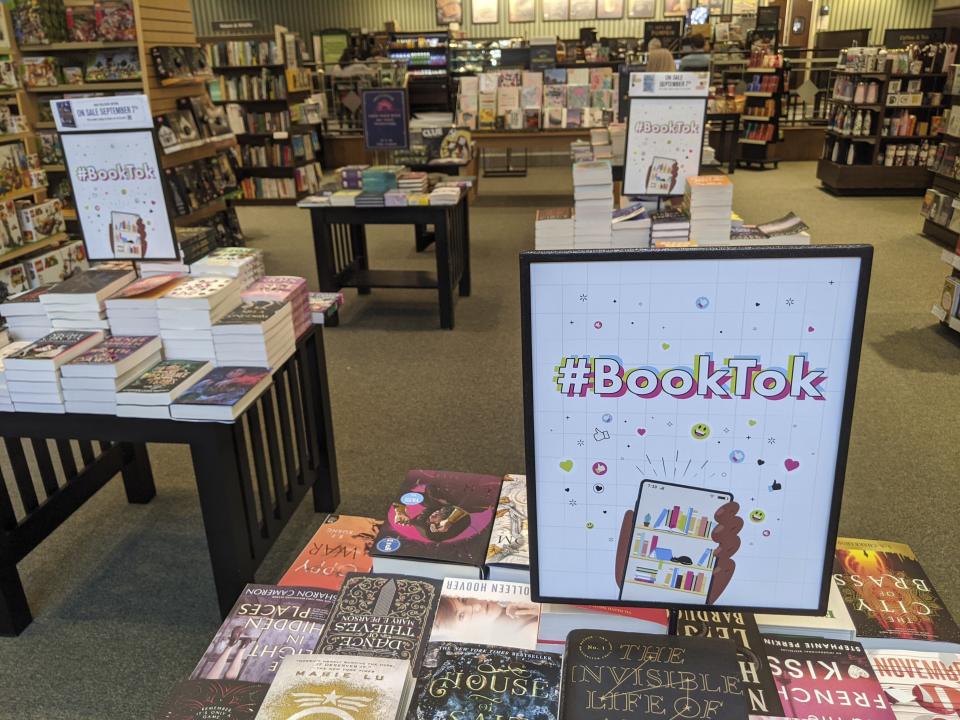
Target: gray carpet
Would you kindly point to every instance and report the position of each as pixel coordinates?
(123, 596)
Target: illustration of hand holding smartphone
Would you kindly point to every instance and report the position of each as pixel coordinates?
(668, 551)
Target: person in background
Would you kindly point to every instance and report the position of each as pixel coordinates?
(697, 60)
(659, 59)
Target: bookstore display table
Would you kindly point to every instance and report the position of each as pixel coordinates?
(251, 474)
(340, 244)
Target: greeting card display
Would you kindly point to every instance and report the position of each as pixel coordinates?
(687, 418)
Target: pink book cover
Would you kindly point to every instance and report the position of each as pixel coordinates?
(112, 350)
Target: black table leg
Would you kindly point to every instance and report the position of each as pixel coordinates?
(733, 145)
(424, 237)
(323, 250)
(224, 515)
(137, 473)
(444, 279)
(326, 490)
(358, 242)
(465, 250)
(14, 611)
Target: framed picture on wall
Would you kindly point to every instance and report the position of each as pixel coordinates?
(744, 7)
(485, 12)
(583, 9)
(676, 8)
(642, 8)
(714, 6)
(521, 11)
(556, 10)
(609, 9)
(449, 11)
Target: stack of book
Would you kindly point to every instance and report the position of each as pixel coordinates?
(163, 267)
(195, 242)
(77, 303)
(187, 314)
(395, 198)
(669, 226)
(351, 176)
(149, 394)
(324, 305)
(255, 333)
(6, 404)
(618, 142)
(345, 198)
(133, 310)
(554, 229)
(600, 144)
(380, 178)
(222, 394)
(412, 182)
(445, 196)
(581, 151)
(593, 204)
(631, 226)
(26, 317)
(285, 289)
(369, 199)
(236, 262)
(33, 373)
(708, 200)
(91, 380)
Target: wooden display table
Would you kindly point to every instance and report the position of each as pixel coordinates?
(287, 432)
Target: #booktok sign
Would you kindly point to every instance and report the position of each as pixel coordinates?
(665, 129)
(687, 416)
(117, 180)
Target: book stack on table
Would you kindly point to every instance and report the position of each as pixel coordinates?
(351, 176)
(78, 302)
(669, 227)
(6, 403)
(26, 317)
(631, 226)
(133, 310)
(91, 380)
(593, 204)
(285, 289)
(150, 394)
(243, 263)
(32, 373)
(708, 200)
(187, 314)
(255, 333)
(554, 229)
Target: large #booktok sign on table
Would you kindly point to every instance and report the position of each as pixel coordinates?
(424, 615)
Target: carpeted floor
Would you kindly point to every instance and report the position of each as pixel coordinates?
(123, 597)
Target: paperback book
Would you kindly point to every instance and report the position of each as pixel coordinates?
(213, 699)
(508, 555)
(487, 612)
(222, 394)
(163, 383)
(918, 685)
(341, 545)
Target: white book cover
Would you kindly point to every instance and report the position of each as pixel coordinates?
(487, 612)
(509, 538)
(918, 685)
(469, 85)
(489, 82)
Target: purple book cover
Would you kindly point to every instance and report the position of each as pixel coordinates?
(223, 386)
(112, 350)
(439, 515)
(266, 624)
(213, 699)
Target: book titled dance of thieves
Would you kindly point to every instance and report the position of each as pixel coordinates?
(266, 624)
(341, 545)
(381, 616)
(758, 685)
(631, 676)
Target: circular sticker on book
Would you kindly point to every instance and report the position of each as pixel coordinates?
(411, 498)
(388, 544)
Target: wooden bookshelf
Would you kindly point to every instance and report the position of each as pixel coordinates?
(71, 47)
(200, 214)
(88, 87)
(28, 248)
(207, 149)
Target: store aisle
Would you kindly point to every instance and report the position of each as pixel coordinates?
(112, 634)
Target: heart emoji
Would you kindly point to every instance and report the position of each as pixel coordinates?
(665, 346)
(566, 465)
(751, 423)
(641, 431)
(760, 462)
(790, 464)
(810, 328)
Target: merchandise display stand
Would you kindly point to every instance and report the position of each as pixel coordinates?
(427, 57)
(340, 244)
(245, 505)
(756, 120)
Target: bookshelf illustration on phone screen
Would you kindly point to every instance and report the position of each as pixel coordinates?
(671, 554)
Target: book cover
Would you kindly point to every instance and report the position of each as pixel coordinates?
(466, 681)
(346, 688)
(30, 296)
(758, 687)
(555, 76)
(488, 612)
(113, 350)
(199, 287)
(508, 540)
(650, 676)
(225, 386)
(164, 376)
(213, 700)
(252, 313)
(266, 624)
(91, 282)
(888, 595)
(55, 344)
(385, 616)
(825, 678)
(440, 516)
(341, 545)
(918, 685)
(148, 288)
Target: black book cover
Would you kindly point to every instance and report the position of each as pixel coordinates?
(381, 616)
(466, 681)
(758, 686)
(251, 313)
(617, 675)
(213, 700)
(90, 282)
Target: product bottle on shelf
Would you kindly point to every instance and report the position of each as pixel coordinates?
(860, 94)
(835, 156)
(867, 119)
(850, 154)
(858, 123)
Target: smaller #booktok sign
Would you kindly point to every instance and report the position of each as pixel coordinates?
(385, 120)
(112, 160)
(665, 128)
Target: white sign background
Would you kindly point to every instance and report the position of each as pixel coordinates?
(118, 172)
(776, 456)
(680, 84)
(664, 141)
(120, 112)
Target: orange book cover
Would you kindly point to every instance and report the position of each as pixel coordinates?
(341, 545)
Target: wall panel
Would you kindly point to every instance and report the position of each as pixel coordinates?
(879, 15)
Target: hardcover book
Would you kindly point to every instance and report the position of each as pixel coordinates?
(618, 675)
(162, 382)
(918, 685)
(341, 545)
(381, 616)
(487, 612)
(213, 699)
(825, 678)
(508, 555)
(266, 624)
(347, 688)
(890, 598)
(439, 525)
(482, 681)
(758, 687)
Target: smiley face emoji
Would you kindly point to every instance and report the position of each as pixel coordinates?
(700, 431)
(757, 516)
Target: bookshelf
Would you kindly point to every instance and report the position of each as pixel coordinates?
(427, 58)
(760, 120)
(265, 88)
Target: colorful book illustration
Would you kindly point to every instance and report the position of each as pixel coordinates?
(163, 377)
(129, 235)
(918, 685)
(509, 539)
(486, 611)
(115, 349)
(224, 386)
(341, 545)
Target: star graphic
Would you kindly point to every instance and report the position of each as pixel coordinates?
(726, 429)
(580, 443)
(771, 441)
(583, 297)
(749, 438)
(830, 283)
(790, 301)
(331, 698)
(573, 503)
